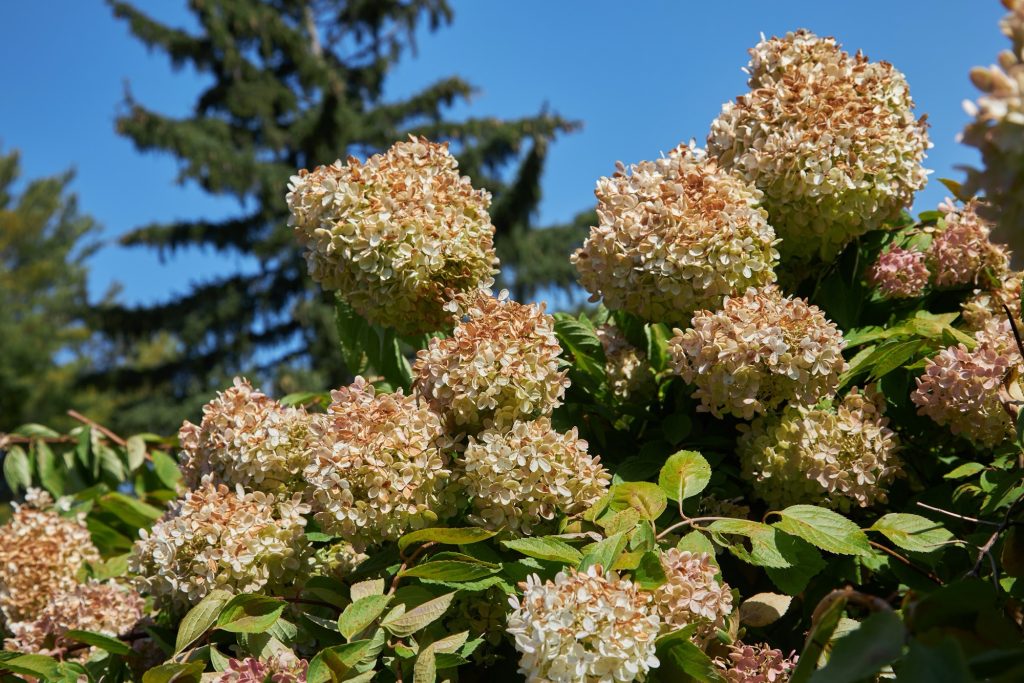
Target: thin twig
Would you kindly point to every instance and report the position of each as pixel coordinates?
(907, 562)
(986, 549)
(687, 522)
(98, 427)
(406, 563)
(958, 516)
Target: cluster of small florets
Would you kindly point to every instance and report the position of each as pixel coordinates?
(759, 351)
(41, 553)
(838, 457)
(675, 235)
(584, 627)
(828, 137)
(396, 236)
(106, 608)
(986, 304)
(216, 537)
(962, 253)
(246, 438)
(899, 273)
(756, 664)
(629, 374)
(383, 467)
(526, 477)
(337, 560)
(500, 365)
(691, 594)
(280, 667)
(960, 387)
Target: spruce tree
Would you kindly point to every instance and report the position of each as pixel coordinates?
(296, 84)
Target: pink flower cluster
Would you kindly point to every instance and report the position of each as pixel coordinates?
(899, 273)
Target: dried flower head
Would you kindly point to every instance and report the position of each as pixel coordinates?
(756, 664)
(838, 457)
(829, 138)
(899, 273)
(986, 304)
(962, 253)
(675, 235)
(382, 466)
(397, 235)
(526, 477)
(216, 537)
(280, 667)
(106, 608)
(40, 554)
(691, 594)
(501, 364)
(583, 627)
(759, 351)
(246, 438)
(629, 373)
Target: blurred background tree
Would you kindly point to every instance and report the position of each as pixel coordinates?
(295, 84)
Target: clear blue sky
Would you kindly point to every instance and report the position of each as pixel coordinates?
(642, 76)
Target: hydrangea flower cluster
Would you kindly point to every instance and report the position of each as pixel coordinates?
(215, 537)
(829, 138)
(987, 304)
(838, 457)
(500, 365)
(584, 627)
(396, 236)
(961, 253)
(759, 351)
(246, 438)
(382, 469)
(629, 373)
(691, 594)
(280, 667)
(899, 273)
(960, 387)
(41, 553)
(755, 664)
(524, 478)
(675, 235)
(105, 608)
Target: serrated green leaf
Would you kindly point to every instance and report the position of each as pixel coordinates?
(111, 645)
(684, 475)
(649, 573)
(913, 532)
(17, 469)
(41, 666)
(248, 613)
(135, 448)
(52, 474)
(334, 663)
(545, 548)
(450, 570)
(175, 673)
(129, 510)
(166, 469)
(825, 529)
(817, 639)
(764, 549)
(966, 470)
(605, 552)
(445, 536)
(360, 614)
(200, 618)
(364, 589)
(425, 668)
(418, 617)
(862, 653)
(646, 498)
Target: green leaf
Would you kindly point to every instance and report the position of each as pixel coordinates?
(351, 326)
(135, 448)
(658, 335)
(248, 613)
(966, 470)
(605, 552)
(649, 574)
(462, 536)
(764, 549)
(175, 673)
(805, 563)
(360, 614)
(130, 510)
(681, 660)
(31, 429)
(418, 617)
(200, 618)
(425, 668)
(646, 498)
(697, 542)
(166, 470)
(333, 663)
(111, 645)
(545, 548)
(817, 639)
(942, 662)
(684, 475)
(913, 532)
(862, 653)
(42, 667)
(365, 589)
(52, 474)
(825, 529)
(17, 469)
(450, 570)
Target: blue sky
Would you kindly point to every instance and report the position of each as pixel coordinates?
(642, 76)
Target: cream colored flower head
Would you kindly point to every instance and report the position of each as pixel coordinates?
(691, 594)
(961, 252)
(524, 479)
(759, 351)
(396, 236)
(839, 457)
(986, 303)
(501, 364)
(675, 235)
(629, 374)
(584, 627)
(382, 468)
(829, 137)
(219, 538)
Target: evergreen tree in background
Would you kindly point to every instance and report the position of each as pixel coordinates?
(296, 84)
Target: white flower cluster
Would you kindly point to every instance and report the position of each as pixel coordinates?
(986, 304)
(675, 235)
(692, 594)
(382, 469)
(584, 627)
(216, 537)
(830, 138)
(629, 373)
(834, 457)
(524, 478)
(500, 365)
(759, 351)
(396, 236)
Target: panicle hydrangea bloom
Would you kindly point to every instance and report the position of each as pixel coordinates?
(962, 253)
(40, 554)
(500, 365)
(382, 467)
(629, 373)
(675, 235)
(960, 387)
(691, 594)
(829, 138)
(899, 273)
(337, 560)
(397, 235)
(759, 351)
(106, 608)
(756, 664)
(246, 438)
(986, 304)
(528, 476)
(216, 537)
(280, 667)
(584, 627)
